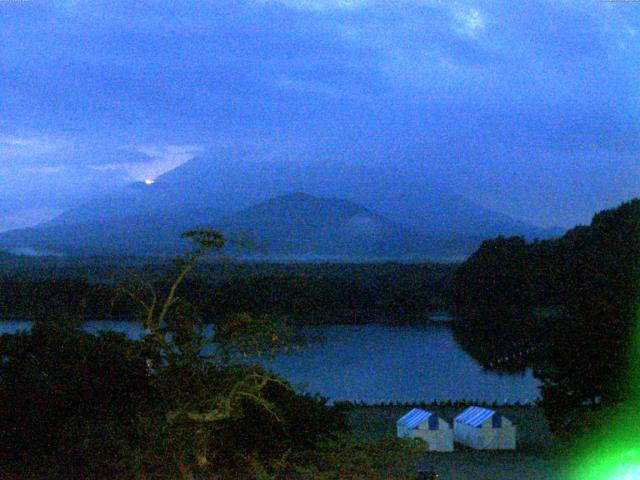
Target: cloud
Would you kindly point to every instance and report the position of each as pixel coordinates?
(469, 22)
(314, 87)
(318, 5)
(47, 169)
(147, 162)
(14, 146)
(162, 158)
(459, 83)
(108, 167)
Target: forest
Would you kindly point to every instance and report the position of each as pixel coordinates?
(567, 307)
(307, 293)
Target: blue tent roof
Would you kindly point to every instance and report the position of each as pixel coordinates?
(475, 416)
(414, 418)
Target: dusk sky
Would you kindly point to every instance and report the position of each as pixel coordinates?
(531, 108)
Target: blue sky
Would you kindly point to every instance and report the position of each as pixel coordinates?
(531, 108)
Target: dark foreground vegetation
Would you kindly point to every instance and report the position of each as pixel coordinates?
(82, 406)
(77, 405)
(567, 307)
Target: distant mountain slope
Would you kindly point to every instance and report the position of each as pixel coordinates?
(141, 219)
(303, 225)
(250, 198)
(138, 199)
(143, 234)
(296, 225)
(407, 196)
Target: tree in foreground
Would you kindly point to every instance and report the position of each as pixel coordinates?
(218, 412)
(588, 358)
(179, 403)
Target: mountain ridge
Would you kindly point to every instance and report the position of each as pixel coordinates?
(290, 208)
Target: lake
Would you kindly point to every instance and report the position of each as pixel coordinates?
(375, 363)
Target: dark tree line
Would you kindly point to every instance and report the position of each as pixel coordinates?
(308, 293)
(571, 303)
(27, 298)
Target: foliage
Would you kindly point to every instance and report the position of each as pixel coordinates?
(495, 279)
(202, 393)
(307, 424)
(41, 298)
(569, 303)
(69, 400)
(588, 361)
(176, 404)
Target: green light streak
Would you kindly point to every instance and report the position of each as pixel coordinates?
(614, 452)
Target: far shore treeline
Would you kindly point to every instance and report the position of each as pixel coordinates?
(318, 293)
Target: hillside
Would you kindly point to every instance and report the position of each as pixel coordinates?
(303, 225)
(346, 211)
(296, 225)
(410, 197)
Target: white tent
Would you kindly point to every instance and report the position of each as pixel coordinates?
(484, 429)
(427, 426)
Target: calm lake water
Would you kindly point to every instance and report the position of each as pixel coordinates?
(379, 363)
